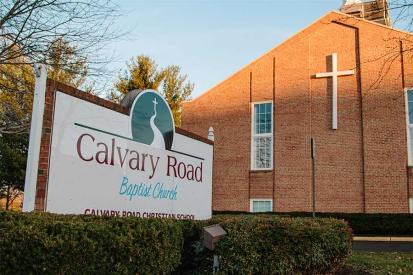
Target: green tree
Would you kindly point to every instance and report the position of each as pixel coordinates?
(13, 155)
(176, 89)
(66, 66)
(143, 73)
(16, 97)
(17, 84)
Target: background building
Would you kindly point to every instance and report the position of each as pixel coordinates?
(264, 116)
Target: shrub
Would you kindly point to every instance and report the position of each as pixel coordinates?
(42, 243)
(360, 223)
(59, 244)
(378, 224)
(270, 245)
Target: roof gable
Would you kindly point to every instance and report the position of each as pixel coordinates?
(332, 16)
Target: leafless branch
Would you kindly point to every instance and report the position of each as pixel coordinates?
(28, 28)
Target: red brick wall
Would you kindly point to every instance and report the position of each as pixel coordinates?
(361, 167)
(384, 122)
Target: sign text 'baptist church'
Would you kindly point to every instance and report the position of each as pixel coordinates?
(106, 163)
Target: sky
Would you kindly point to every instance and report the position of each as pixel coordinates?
(209, 40)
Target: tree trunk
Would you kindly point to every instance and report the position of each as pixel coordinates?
(8, 197)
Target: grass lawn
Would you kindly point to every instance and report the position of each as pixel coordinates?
(379, 263)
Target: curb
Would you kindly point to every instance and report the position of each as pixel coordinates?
(383, 239)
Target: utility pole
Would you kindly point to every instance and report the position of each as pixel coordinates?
(313, 173)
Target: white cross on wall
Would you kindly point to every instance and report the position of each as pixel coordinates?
(334, 74)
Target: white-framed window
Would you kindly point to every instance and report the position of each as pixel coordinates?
(409, 121)
(262, 136)
(411, 205)
(260, 205)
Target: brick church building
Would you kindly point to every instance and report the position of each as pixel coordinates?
(345, 81)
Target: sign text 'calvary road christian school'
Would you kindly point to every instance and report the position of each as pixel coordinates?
(103, 162)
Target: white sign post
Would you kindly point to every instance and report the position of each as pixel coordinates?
(334, 74)
(35, 138)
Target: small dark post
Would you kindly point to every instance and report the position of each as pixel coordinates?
(313, 173)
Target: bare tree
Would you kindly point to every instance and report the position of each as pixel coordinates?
(28, 28)
(395, 44)
(402, 13)
(65, 35)
(401, 18)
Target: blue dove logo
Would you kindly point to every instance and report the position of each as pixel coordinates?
(151, 120)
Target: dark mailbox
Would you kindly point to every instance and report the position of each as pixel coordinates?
(211, 235)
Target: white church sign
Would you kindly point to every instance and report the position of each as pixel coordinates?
(103, 162)
(334, 74)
